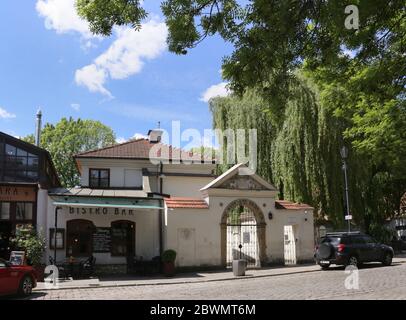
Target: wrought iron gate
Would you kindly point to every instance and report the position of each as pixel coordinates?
(242, 237)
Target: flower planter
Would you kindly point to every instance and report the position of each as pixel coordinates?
(169, 269)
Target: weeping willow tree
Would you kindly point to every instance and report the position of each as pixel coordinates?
(299, 150)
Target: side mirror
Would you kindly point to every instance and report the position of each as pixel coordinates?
(8, 264)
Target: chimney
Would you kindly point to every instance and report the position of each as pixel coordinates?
(155, 135)
(38, 128)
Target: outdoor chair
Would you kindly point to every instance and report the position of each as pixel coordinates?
(87, 267)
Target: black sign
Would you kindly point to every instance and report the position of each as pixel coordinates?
(101, 240)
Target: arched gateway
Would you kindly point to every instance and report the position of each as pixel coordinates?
(243, 233)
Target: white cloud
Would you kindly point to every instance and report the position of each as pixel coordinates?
(136, 136)
(125, 56)
(217, 90)
(4, 114)
(139, 136)
(121, 140)
(75, 106)
(61, 16)
(93, 78)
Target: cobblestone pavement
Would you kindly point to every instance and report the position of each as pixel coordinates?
(375, 282)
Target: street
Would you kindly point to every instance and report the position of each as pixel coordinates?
(375, 282)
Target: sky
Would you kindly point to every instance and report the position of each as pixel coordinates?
(129, 81)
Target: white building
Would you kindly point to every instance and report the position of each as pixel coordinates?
(126, 205)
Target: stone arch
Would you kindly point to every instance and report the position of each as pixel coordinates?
(260, 224)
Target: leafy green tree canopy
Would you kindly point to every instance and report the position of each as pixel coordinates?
(271, 38)
(69, 137)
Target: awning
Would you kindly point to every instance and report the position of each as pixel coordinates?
(120, 203)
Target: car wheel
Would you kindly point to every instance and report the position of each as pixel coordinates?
(26, 286)
(324, 266)
(387, 260)
(353, 261)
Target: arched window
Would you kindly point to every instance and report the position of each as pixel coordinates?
(122, 238)
(79, 238)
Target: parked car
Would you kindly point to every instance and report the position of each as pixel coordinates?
(16, 279)
(351, 248)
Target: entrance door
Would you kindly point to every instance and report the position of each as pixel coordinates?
(5, 234)
(289, 245)
(79, 238)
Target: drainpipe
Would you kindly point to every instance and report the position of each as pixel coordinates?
(55, 229)
(161, 211)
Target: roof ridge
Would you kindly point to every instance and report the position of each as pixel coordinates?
(111, 146)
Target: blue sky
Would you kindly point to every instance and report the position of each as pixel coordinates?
(127, 81)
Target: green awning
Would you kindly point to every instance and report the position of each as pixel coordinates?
(101, 205)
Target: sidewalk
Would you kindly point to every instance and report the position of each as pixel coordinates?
(196, 277)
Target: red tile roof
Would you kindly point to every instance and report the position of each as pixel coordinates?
(140, 149)
(190, 203)
(284, 204)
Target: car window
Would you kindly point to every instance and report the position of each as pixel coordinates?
(2, 264)
(332, 240)
(368, 239)
(357, 240)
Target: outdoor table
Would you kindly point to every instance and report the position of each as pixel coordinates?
(72, 268)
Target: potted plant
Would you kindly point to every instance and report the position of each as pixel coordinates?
(168, 260)
(33, 243)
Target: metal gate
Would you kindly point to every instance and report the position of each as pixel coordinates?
(242, 237)
(289, 245)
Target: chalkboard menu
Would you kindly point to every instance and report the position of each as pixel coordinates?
(101, 240)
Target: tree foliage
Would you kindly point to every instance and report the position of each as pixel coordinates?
(271, 38)
(299, 153)
(69, 137)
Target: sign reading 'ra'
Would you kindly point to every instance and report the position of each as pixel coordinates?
(8, 193)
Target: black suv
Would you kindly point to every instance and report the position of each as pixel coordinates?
(351, 248)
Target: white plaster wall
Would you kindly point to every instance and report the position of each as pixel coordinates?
(206, 223)
(184, 186)
(207, 235)
(146, 232)
(42, 206)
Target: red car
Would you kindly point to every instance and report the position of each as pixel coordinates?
(16, 279)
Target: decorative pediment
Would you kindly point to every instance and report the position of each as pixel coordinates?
(242, 183)
(241, 178)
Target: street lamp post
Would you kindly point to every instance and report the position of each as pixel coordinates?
(344, 155)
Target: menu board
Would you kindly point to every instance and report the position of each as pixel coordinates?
(102, 240)
(17, 258)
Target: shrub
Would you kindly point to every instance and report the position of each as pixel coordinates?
(169, 256)
(33, 243)
(381, 233)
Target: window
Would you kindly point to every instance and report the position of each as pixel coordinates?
(358, 240)
(24, 211)
(368, 240)
(20, 165)
(4, 210)
(122, 238)
(99, 178)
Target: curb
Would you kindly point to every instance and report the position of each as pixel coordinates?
(183, 282)
(177, 282)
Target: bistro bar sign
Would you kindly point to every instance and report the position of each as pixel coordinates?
(101, 211)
